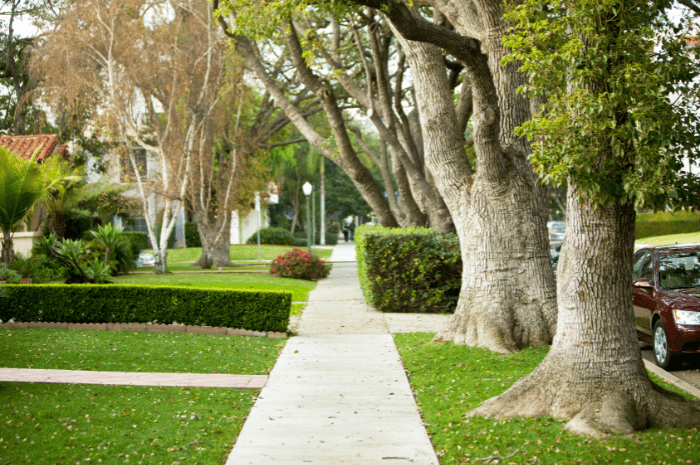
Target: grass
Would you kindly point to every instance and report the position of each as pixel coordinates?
(300, 288)
(66, 424)
(450, 380)
(180, 266)
(672, 239)
(240, 253)
(137, 351)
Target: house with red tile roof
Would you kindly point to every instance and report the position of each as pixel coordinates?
(25, 146)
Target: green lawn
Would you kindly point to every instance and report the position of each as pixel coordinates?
(450, 380)
(300, 288)
(61, 424)
(241, 253)
(688, 238)
(137, 351)
(67, 424)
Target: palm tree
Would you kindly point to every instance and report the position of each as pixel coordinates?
(22, 185)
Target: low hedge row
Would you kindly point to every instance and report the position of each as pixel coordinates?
(95, 303)
(665, 223)
(408, 270)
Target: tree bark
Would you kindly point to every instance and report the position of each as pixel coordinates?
(594, 372)
(507, 299)
(8, 253)
(216, 240)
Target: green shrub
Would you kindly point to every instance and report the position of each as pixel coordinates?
(665, 223)
(121, 258)
(9, 275)
(299, 242)
(77, 223)
(192, 235)
(272, 236)
(39, 268)
(119, 303)
(138, 241)
(299, 264)
(331, 237)
(408, 269)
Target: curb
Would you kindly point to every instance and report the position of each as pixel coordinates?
(145, 327)
(660, 372)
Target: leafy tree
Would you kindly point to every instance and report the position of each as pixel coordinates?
(22, 185)
(620, 115)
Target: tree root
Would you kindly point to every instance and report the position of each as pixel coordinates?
(599, 410)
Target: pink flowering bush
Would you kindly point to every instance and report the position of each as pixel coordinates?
(299, 264)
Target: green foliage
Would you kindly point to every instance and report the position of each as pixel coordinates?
(192, 235)
(299, 264)
(272, 236)
(666, 223)
(39, 268)
(331, 237)
(612, 72)
(117, 303)
(138, 241)
(109, 236)
(9, 275)
(121, 258)
(78, 222)
(73, 255)
(408, 270)
(22, 185)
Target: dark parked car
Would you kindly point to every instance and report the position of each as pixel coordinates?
(666, 296)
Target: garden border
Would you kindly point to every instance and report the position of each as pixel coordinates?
(145, 327)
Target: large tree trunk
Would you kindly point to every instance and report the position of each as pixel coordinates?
(8, 253)
(594, 372)
(57, 224)
(507, 300)
(216, 241)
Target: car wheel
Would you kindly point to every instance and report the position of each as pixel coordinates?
(662, 352)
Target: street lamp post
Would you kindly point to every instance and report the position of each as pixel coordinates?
(307, 192)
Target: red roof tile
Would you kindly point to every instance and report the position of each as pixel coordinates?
(25, 146)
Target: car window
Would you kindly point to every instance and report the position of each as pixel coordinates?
(679, 271)
(559, 228)
(647, 270)
(637, 263)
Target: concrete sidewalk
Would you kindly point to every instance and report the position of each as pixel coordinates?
(338, 393)
(117, 378)
(344, 252)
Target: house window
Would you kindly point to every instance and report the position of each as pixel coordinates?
(126, 172)
(139, 225)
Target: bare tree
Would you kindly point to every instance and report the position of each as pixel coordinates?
(153, 82)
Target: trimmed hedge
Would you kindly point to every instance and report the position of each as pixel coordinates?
(272, 236)
(115, 303)
(408, 270)
(665, 223)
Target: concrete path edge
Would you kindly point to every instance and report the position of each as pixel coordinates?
(666, 376)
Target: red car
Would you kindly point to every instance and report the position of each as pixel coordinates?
(666, 296)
